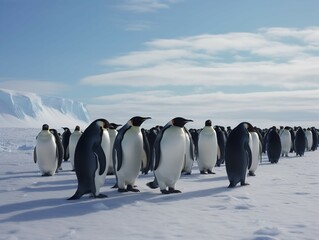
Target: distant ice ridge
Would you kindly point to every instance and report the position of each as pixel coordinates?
(21, 109)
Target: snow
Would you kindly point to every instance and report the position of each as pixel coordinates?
(280, 202)
(25, 110)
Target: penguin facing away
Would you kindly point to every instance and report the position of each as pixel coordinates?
(60, 149)
(112, 133)
(128, 152)
(207, 149)
(74, 138)
(190, 153)
(170, 149)
(273, 145)
(46, 152)
(238, 158)
(300, 142)
(65, 142)
(90, 161)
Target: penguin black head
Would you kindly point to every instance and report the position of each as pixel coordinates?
(103, 123)
(137, 121)
(114, 125)
(45, 127)
(77, 128)
(249, 127)
(208, 123)
(180, 122)
(66, 129)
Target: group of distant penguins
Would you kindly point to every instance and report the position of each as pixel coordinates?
(168, 151)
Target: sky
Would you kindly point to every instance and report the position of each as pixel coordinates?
(228, 61)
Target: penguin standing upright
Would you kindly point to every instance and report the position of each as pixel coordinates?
(207, 149)
(273, 145)
(46, 152)
(314, 138)
(238, 158)
(256, 148)
(190, 153)
(74, 138)
(128, 153)
(112, 133)
(170, 150)
(90, 161)
(60, 149)
(65, 142)
(285, 139)
(221, 140)
(300, 142)
(309, 138)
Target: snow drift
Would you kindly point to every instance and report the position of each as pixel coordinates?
(21, 109)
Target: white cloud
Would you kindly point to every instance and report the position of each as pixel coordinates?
(263, 58)
(143, 6)
(40, 87)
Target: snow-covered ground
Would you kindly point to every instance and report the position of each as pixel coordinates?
(281, 202)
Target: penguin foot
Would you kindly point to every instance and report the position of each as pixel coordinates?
(165, 191)
(121, 190)
(115, 186)
(46, 174)
(231, 185)
(152, 185)
(173, 190)
(131, 189)
(251, 173)
(100, 196)
(210, 172)
(203, 172)
(187, 173)
(244, 184)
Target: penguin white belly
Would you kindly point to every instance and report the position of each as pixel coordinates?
(309, 139)
(207, 150)
(285, 139)
(255, 151)
(106, 146)
(173, 147)
(188, 157)
(46, 154)
(112, 134)
(74, 138)
(132, 147)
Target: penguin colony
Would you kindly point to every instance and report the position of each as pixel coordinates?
(168, 152)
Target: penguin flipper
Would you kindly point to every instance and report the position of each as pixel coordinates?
(157, 146)
(35, 155)
(250, 160)
(100, 156)
(117, 148)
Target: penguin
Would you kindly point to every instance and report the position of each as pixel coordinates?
(90, 161)
(314, 138)
(285, 139)
(256, 148)
(112, 133)
(146, 153)
(273, 145)
(74, 138)
(207, 149)
(106, 146)
(60, 149)
(128, 152)
(190, 153)
(221, 140)
(65, 142)
(238, 157)
(170, 150)
(309, 138)
(46, 152)
(300, 142)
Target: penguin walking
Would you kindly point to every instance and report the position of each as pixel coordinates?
(65, 142)
(170, 150)
(256, 149)
(238, 157)
(46, 152)
(285, 139)
(112, 134)
(60, 149)
(300, 142)
(207, 149)
(128, 153)
(74, 138)
(273, 145)
(90, 161)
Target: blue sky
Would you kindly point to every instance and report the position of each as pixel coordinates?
(228, 61)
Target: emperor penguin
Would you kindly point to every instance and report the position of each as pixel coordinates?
(106, 146)
(300, 142)
(90, 161)
(74, 138)
(256, 150)
(273, 145)
(314, 138)
(128, 152)
(170, 150)
(112, 133)
(60, 149)
(207, 149)
(285, 139)
(221, 140)
(65, 142)
(190, 153)
(46, 152)
(309, 138)
(238, 157)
